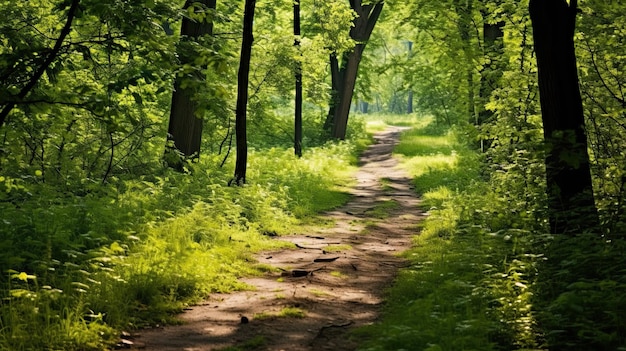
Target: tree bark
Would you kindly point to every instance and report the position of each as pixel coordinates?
(493, 52)
(571, 206)
(184, 133)
(242, 94)
(409, 106)
(345, 77)
(297, 144)
(493, 45)
(335, 76)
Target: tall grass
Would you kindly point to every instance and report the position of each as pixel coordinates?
(464, 288)
(131, 253)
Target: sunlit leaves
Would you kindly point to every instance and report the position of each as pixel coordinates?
(330, 22)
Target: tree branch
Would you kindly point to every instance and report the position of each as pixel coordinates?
(51, 57)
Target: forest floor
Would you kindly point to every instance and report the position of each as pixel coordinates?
(332, 281)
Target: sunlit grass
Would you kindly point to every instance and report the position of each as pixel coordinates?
(292, 312)
(338, 274)
(415, 143)
(286, 312)
(337, 248)
(459, 292)
(319, 293)
(382, 209)
(142, 249)
(379, 122)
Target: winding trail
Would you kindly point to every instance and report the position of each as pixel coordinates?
(336, 295)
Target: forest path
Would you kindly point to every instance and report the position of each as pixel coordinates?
(336, 295)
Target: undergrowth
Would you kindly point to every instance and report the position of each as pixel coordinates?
(468, 283)
(482, 275)
(80, 268)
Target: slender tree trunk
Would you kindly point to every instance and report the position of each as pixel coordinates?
(344, 78)
(493, 46)
(571, 206)
(184, 133)
(297, 144)
(409, 106)
(242, 94)
(54, 53)
(336, 80)
(365, 107)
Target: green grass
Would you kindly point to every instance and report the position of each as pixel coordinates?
(292, 312)
(136, 251)
(337, 248)
(338, 274)
(380, 122)
(460, 292)
(286, 312)
(382, 209)
(319, 293)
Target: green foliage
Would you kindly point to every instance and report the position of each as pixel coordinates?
(481, 274)
(292, 312)
(129, 254)
(468, 285)
(96, 235)
(579, 306)
(602, 76)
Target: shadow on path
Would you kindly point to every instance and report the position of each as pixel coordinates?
(345, 271)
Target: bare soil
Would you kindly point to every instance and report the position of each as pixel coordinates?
(333, 280)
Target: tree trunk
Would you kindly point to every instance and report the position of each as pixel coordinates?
(242, 94)
(297, 144)
(571, 206)
(349, 74)
(365, 106)
(344, 78)
(493, 44)
(409, 103)
(336, 80)
(184, 133)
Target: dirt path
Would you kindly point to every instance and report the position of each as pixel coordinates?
(335, 296)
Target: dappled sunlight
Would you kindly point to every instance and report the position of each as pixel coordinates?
(327, 282)
(419, 166)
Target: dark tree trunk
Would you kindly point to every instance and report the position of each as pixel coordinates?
(297, 144)
(409, 103)
(242, 95)
(184, 133)
(345, 77)
(493, 44)
(349, 70)
(571, 206)
(335, 75)
(50, 58)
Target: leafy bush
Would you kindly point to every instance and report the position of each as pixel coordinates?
(129, 253)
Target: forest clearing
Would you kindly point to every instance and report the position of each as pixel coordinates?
(312, 175)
